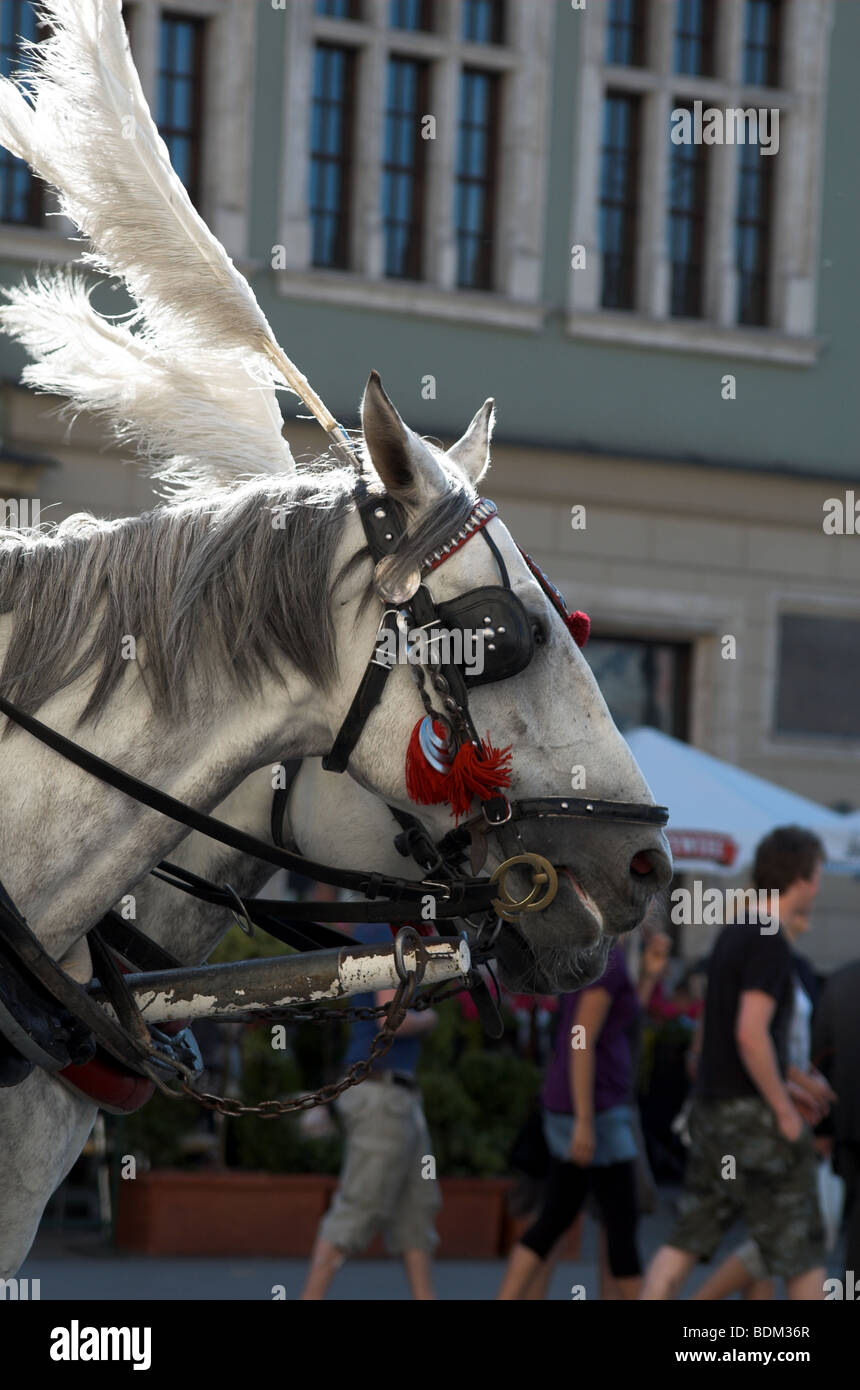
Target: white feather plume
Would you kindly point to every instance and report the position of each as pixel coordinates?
(191, 429)
(85, 128)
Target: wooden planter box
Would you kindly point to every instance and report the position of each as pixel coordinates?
(226, 1213)
(232, 1213)
(471, 1221)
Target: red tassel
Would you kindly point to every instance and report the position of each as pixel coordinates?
(424, 784)
(471, 774)
(481, 776)
(579, 626)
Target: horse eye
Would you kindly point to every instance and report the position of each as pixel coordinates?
(538, 632)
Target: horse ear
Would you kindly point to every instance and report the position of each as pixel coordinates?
(402, 460)
(472, 452)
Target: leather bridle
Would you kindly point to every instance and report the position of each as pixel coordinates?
(409, 604)
(385, 898)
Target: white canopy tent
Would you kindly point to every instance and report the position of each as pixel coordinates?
(718, 813)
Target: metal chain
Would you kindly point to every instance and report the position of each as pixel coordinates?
(394, 1013)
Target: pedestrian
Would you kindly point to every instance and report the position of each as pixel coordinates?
(750, 1152)
(744, 1271)
(384, 1184)
(590, 1132)
(836, 1045)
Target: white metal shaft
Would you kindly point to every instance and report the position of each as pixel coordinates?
(245, 988)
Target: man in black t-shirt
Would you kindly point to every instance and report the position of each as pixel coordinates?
(743, 959)
(751, 1153)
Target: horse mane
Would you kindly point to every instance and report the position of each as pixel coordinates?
(217, 585)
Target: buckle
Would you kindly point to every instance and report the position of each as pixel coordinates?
(496, 810)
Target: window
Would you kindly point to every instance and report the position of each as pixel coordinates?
(403, 167)
(762, 42)
(643, 682)
(484, 21)
(687, 194)
(180, 96)
(417, 221)
(753, 233)
(819, 675)
(618, 199)
(339, 9)
(476, 160)
(676, 232)
(331, 155)
(694, 37)
(411, 14)
(21, 193)
(625, 33)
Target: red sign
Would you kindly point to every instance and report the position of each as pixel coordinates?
(703, 844)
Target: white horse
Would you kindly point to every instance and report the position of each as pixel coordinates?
(230, 628)
(600, 895)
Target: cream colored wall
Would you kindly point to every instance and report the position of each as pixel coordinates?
(669, 551)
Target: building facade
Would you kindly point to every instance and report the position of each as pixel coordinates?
(633, 223)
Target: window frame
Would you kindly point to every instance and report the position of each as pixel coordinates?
(792, 600)
(524, 66)
(628, 203)
(417, 171)
(698, 216)
(344, 160)
(35, 187)
(488, 181)
(228, 92)
(790, 336)
(428, 19)
(196, 132)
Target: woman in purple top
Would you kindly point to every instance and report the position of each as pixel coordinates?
(588, 1122)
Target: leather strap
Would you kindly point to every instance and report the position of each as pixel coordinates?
(452, 904)
(384, 528)
(280, 802)
(364, 701)
(565, 807)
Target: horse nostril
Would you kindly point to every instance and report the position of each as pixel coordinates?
(641, 864)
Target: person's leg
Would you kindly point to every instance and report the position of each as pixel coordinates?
(741, 1272)
(666, 1273)
(326, 1260)
(565, 1192)
(419, 1272)
(780, 1207)
(362, 1202)
(538, 1288)
(411, 1231)
(808, 1286)
(705, 1207)
(615, 1189)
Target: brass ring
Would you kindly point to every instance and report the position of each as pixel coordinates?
(542, 873)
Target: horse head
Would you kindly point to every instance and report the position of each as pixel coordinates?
(609, 854)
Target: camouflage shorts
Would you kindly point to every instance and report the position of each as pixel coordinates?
(774, 1189)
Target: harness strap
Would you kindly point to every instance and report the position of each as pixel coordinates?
(261, 912)
(127, 941)
(587, 807)
(128, 1048)
(364, 701)
(280, 802)
(384, 529)
(453, 898)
